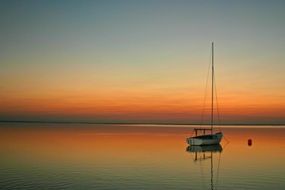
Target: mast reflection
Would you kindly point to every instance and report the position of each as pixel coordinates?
(202, 153)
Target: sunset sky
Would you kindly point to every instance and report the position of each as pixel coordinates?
(141, 61)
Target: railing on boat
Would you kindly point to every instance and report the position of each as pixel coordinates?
(202, 129)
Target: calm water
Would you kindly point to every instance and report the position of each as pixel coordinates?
(61, 156)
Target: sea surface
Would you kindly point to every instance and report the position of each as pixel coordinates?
(88, 156)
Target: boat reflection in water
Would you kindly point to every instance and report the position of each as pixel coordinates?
(203, 153)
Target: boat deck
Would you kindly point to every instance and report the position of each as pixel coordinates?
(202, 129)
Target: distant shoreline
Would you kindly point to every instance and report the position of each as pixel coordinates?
(133, 123)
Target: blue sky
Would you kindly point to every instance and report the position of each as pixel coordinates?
(61, 48)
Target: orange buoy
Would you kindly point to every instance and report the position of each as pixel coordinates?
(249, 142)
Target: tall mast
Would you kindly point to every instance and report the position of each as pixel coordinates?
(212, 107)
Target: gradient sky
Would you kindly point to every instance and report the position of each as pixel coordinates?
(141, 61)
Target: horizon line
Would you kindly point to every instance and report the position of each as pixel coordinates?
(136, 123)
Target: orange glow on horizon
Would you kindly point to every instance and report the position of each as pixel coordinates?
(150, 105)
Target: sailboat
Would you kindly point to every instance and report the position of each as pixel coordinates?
(211, 138)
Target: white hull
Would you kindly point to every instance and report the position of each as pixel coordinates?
(205, 139)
